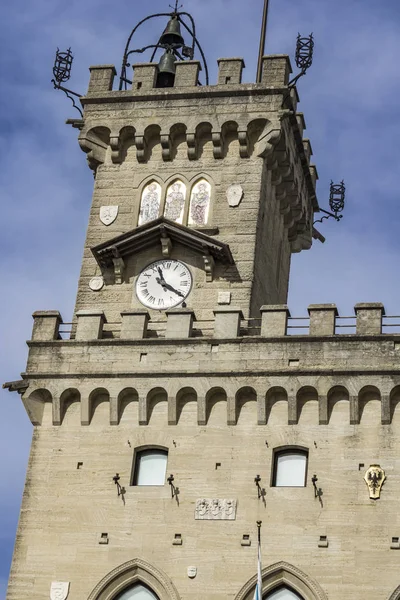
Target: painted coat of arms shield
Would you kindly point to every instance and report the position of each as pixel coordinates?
(59, 590)
(108, 214)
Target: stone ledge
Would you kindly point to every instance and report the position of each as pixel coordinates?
(46, 313)
(369, 306)
(288, 339)
(323, 307)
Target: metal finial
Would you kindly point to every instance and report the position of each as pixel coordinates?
(176, 7)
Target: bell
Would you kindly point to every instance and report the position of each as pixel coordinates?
(166, 70)
(172, 34)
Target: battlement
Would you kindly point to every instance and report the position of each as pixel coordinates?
(232, 360)
(229, 323)
(275, 74)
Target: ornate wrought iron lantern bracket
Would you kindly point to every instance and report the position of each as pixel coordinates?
(304, 58)
(336, 202)
(62, 73)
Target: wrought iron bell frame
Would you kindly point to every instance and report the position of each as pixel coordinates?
(179, 50)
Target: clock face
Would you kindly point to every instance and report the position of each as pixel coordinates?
(164, 284)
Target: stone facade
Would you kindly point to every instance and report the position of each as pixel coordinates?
(219, 384)
(221, 407)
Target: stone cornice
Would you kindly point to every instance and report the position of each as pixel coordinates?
(158, 95)
(150, 234)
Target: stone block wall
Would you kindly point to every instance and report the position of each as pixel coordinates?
(221, 405)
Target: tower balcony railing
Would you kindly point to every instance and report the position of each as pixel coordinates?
(228, 323)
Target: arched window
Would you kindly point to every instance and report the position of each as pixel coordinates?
(150, 467)
(150, 203)
(290, 467)
(200, 203)
(137, 592)
(175, 202)
(283, 593)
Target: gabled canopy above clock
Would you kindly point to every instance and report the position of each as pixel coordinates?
(160, 233)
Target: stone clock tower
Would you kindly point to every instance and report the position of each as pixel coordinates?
(177, 412)
(217, 178)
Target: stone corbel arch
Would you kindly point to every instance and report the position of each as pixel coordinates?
(131, 572)
(283, 574)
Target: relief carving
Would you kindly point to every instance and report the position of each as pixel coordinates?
(108, 214)
(215, 509)
(59, 590)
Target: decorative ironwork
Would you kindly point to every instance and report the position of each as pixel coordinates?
(174, 489)
(337, 198)
(304, 58)
(176, 6)
(121, 490)
(318, 493)
(261, 493)
(304, 52)
(62, 73)
(62, 66)
(178, 48)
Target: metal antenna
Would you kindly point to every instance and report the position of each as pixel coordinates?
(262, 40)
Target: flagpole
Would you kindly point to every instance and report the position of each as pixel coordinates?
(259, 565)
(262, 40)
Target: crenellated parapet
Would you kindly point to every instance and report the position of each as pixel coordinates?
(229, 323)
(235, 362)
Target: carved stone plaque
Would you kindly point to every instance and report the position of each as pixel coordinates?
(214, 509)
(192, 572)
(59, 590)
(96, 284)
(234, 194)
(108, 214)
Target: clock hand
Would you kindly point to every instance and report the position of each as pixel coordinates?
(160, 281)
(160, 273)
(166, 286)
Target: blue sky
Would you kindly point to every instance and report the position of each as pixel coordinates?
(350, 100)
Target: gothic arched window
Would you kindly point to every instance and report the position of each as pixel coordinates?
(137, 592)
(200, 203)
(175, 202)
(150, 203)
(283, 593)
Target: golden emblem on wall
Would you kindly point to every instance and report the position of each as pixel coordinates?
(374, 478)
